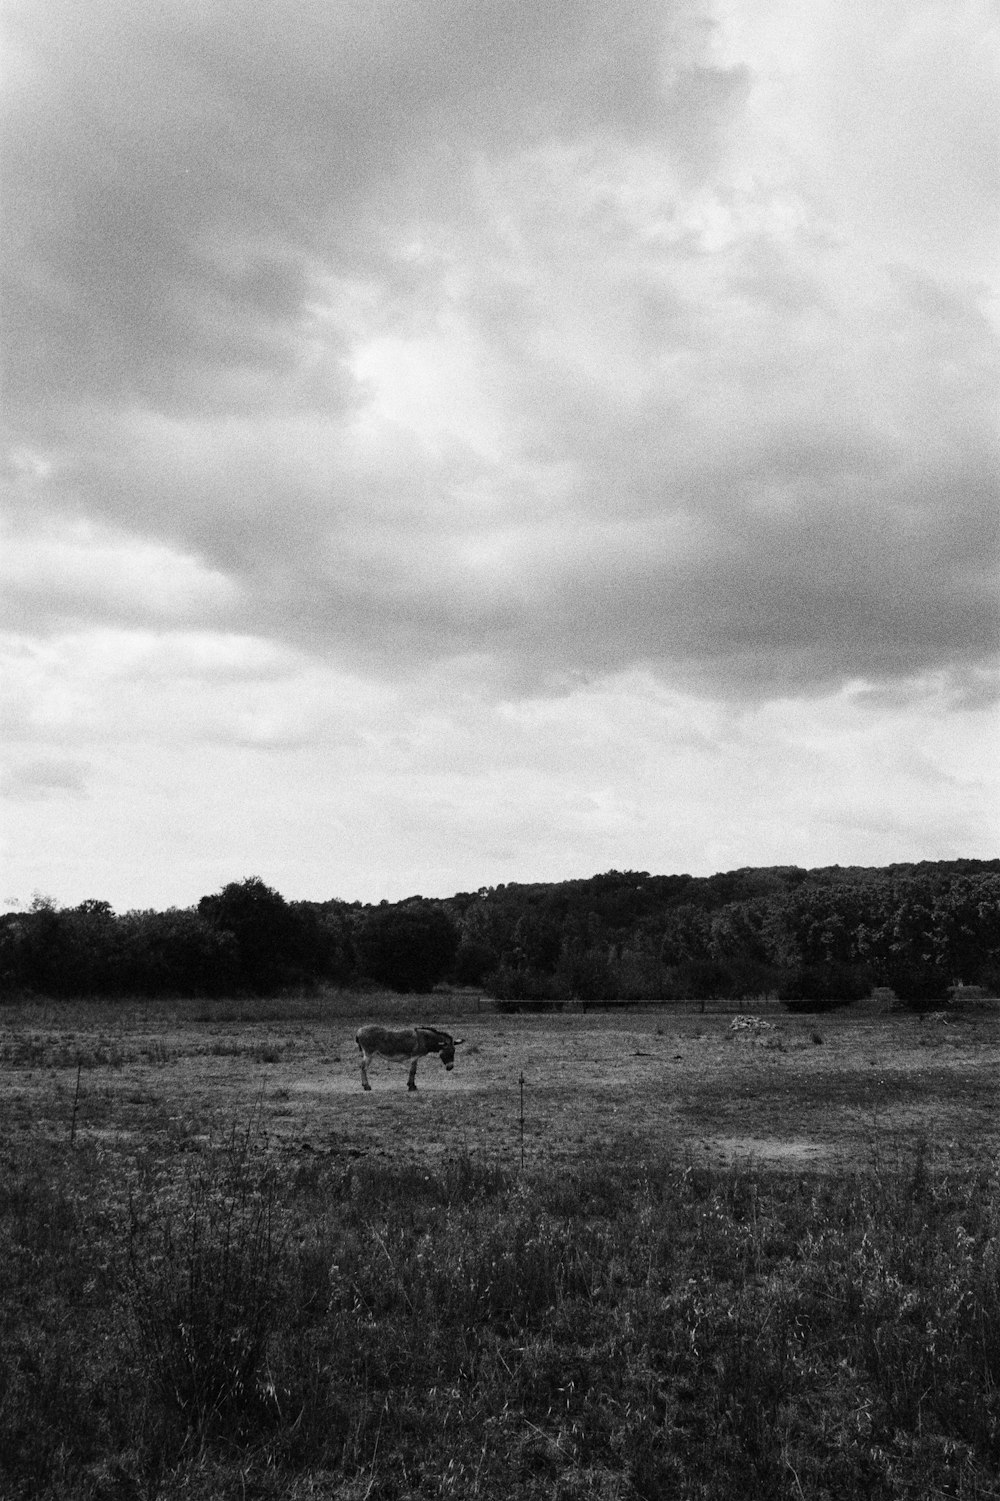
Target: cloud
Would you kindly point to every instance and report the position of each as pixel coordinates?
(176, 181)
(738, 526)
(554, 339)
(910, 116)
(30, 781)
(428, 786)
(59, 574)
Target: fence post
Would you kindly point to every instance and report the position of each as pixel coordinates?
(76, 1101)
(521, 1119)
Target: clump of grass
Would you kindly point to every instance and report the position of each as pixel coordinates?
(928, 1326)
(201, 1287)
(156, 1051)
(42, 1050)
(60, 1386)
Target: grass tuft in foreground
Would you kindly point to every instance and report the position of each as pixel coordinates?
(206, 1325)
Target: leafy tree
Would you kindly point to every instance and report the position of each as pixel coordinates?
(687, 936)
(522, 983)
(266, 931)
(177, 952)
(63, 951)
(472, 961)
(819, 987)
(702, 979)
(409, 947)
(966, 920)
(918, 983)
(326, 948)
(537, 940)
(639, 975)
(817, 936)
(588, 976)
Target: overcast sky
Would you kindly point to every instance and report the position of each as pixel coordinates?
(483, 440)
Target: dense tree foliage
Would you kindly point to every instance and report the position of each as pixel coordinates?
(821, 937)
(244, 939)
(407, 947)
(265, 934)
(816, 937)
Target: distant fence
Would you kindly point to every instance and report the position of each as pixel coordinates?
(446, 1003)
(685, 1007)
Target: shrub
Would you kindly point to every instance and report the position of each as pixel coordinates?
(522, 983)
(919, 985)
(588, 977)
(821, 987)
(640, 977)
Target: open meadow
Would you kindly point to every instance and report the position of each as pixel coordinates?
(710, 1261)
(817, 1090)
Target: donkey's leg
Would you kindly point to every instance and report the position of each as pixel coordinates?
(411, 1082)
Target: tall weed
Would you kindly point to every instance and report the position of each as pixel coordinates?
(201, 1287)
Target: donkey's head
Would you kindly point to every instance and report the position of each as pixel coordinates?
(443, 1044)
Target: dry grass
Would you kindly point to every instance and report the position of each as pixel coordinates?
(683, 1083)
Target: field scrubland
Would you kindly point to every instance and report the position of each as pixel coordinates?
(711, 1262)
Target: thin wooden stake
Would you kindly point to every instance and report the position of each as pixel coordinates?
(521, 1118)
(76, 1101)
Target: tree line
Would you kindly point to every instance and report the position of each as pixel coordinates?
(810, 937)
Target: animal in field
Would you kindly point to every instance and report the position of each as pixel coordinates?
(413, 1043)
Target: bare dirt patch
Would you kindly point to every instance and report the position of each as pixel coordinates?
(768, 1150)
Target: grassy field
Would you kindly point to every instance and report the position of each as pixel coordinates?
(711, 1262)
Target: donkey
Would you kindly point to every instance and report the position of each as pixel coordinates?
(405, 1042)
